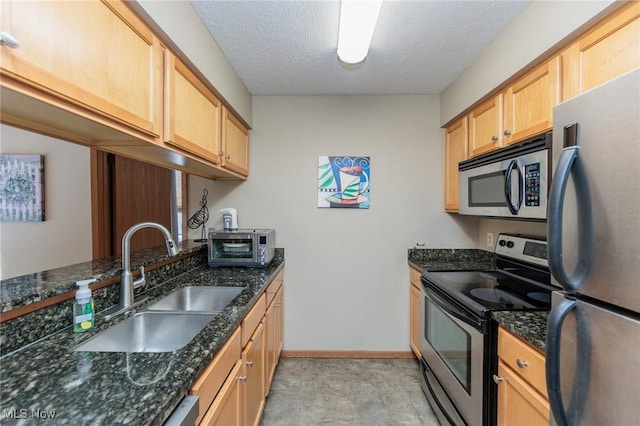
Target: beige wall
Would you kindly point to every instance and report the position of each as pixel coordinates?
(64, 238)
(495, 227)
(182, 24)
(536, 30)
(346, 270)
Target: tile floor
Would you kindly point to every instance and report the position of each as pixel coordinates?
(364, 392)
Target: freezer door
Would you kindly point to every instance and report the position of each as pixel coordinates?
(592, 364)
(594, 201)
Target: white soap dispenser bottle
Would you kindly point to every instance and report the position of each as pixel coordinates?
(83, 309)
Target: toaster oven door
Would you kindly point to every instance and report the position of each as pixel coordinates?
(232, 249)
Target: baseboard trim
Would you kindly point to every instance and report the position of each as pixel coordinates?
(347, 354)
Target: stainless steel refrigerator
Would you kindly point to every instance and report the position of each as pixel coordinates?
(593, 333)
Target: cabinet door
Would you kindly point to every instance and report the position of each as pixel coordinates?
(529, 102)
(270, 346)
(88, 56)
(192, 112)
(279, 337)
(485, 123)
(414, 309)
(235, 144)
(226, 409)
(456, 149)
(254, 393)
(519, 403)
(611, 49)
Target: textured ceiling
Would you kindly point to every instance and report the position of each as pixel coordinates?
(288, 47)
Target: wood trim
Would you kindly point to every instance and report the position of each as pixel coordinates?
(100, 226)
(347, 354)
(185, 205)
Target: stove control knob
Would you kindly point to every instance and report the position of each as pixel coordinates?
(509, 244)
(502, 243)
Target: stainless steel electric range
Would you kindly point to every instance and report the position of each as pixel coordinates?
(458, 335)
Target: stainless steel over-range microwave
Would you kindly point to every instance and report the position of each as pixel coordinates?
(511, 183)
(243, 247)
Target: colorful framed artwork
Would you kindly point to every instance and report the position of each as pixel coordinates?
(21, 188)
(344, 182)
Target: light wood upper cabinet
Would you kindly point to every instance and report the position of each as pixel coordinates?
(235, 143)
(456, 149)
(192, 113)
(97, 57)
(485, 126)
(529, 102)
(611, 49)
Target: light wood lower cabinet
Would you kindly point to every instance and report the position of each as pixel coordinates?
(234, 386)
(522, 393)
(253, 358)
(274, 323)
(414, 311)
(226, 409)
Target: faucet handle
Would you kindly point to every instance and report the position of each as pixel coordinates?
(140, 281)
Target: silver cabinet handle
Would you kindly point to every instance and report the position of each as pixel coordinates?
(9, 40)
(497, 379)
(250, 363)
(521, 364)
(494, 138)
(507, 133)
(227, 157)
(242, 378)
(221, 153)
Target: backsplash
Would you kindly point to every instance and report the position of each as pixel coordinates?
(33, 326)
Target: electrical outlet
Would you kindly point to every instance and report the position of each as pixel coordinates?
(490, 239)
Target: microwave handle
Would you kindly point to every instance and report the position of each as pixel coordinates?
(513, 165)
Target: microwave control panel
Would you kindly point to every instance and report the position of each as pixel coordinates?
(532, 185)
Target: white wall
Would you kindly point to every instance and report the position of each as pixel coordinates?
(536, 30)
(346, 270)
(179, 20)
(495, 227)
(64, 238)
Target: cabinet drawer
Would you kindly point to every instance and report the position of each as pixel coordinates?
(210, 381)
(522, 358)
(414, 277)
(274, 287)
(253, 318)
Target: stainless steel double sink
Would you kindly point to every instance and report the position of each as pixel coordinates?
(167, 325)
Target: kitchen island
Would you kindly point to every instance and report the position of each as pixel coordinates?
(47, 378)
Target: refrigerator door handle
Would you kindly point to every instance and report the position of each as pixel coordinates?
(552, 358)
(568, 166)
(513, 165)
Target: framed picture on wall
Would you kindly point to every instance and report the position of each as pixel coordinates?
(344, 182)
(21, 188)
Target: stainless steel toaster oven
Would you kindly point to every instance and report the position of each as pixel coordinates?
(242, 247)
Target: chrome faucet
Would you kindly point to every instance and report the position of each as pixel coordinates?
(127, 283)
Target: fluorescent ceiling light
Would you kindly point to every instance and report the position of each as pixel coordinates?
(357, 21)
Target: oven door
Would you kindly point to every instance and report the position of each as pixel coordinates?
(452, 345)
(233, 248)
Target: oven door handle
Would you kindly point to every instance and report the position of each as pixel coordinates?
(454, 311)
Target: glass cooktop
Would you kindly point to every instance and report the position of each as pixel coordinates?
(486, 291)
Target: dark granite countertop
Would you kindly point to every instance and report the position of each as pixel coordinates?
(451, 259)
(102, 388)
(30, 288)
(530, 326)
